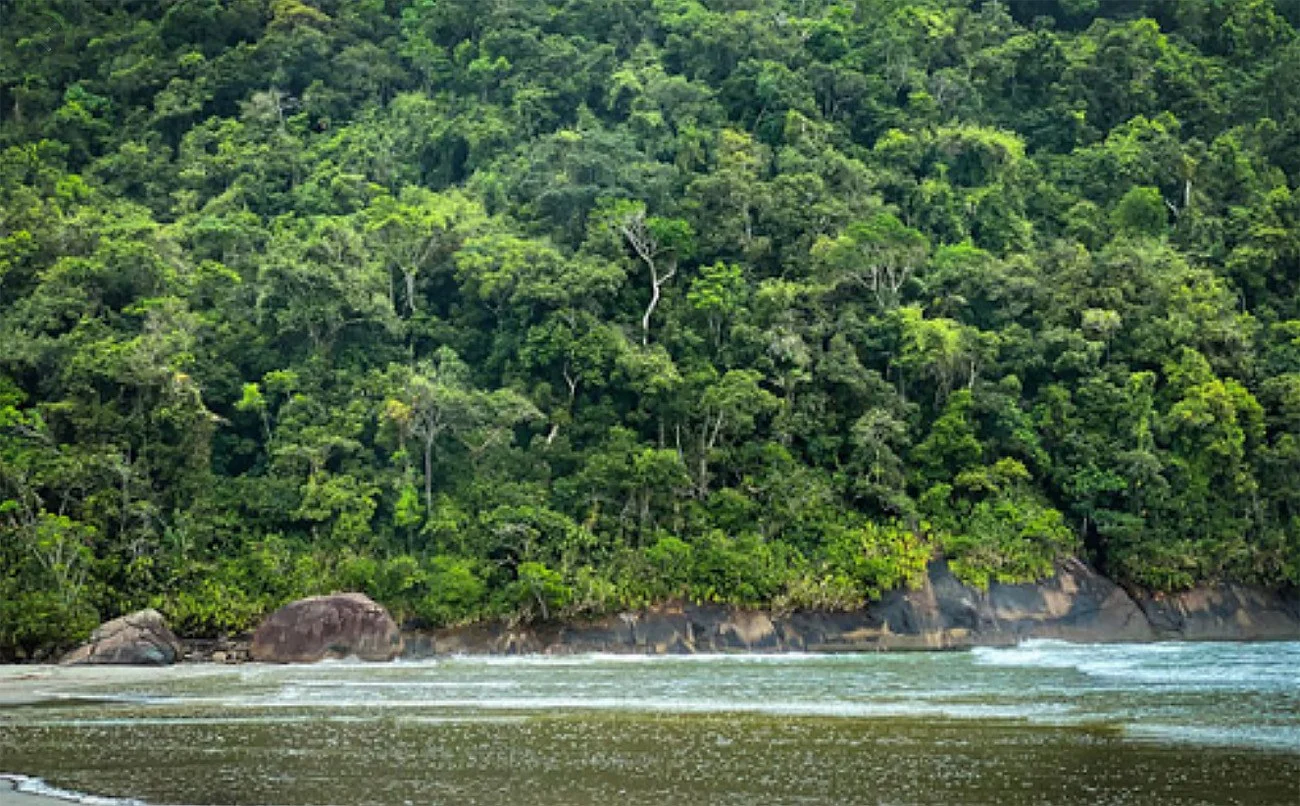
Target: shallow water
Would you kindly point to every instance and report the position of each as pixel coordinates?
(1041, 723)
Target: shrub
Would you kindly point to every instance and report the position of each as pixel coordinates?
(1011, 540)
(744, 571)
(878, 557)
(828, 591)
(35, 624)
(538, 592)
(455, 591)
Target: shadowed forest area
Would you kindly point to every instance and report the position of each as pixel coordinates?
(549, 308)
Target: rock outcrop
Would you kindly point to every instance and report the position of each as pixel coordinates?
(1226, 612)
(217, 650)
(138, 639)
(1077, 604)
(341, 625)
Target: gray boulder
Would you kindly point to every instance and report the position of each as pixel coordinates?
(341, 625)
(137, 639)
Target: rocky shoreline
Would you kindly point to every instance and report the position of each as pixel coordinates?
(1077, 604)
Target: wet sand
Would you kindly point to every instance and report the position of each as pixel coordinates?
(20, 685)
(34, 685)
(19, 689)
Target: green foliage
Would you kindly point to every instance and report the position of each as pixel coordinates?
(742, 571)
(1008, 539)
(544, 309)
(538, 591)
(455, 592)
(829, 592)
(994, 527)
(32, 621)
(878, 557)
(439, 591)
(1140, 211)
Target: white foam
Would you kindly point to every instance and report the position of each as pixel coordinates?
(598, 658)
(677, 705)
(1262, 736)
(404, 685)
(1037, 681)
(1190, 665)
(35, 786)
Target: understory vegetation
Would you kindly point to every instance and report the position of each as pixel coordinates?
(546, 308)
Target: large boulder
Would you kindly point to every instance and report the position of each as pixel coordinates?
(341, 625)
(138, 639)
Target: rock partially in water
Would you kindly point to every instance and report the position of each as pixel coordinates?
(224, 649)
(1077, 604)
(1225, 612)
(341, 625)
(137, 639)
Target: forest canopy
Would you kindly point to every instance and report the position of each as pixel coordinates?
(549, 308)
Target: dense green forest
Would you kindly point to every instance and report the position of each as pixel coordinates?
(546, 308)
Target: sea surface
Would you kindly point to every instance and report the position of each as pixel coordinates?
(1041, 723)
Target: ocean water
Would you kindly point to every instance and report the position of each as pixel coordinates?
(1041, 723)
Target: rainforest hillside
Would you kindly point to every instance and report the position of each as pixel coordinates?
(542, 308)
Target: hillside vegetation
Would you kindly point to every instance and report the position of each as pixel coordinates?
(543, 308)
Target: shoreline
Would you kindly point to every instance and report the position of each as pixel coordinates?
(40, 669)
(66, 688)
(10, 796)
(24, 790)
(1077, 605)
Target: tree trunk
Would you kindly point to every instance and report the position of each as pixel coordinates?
(428, 478)
(409, 277)
(650, 309)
